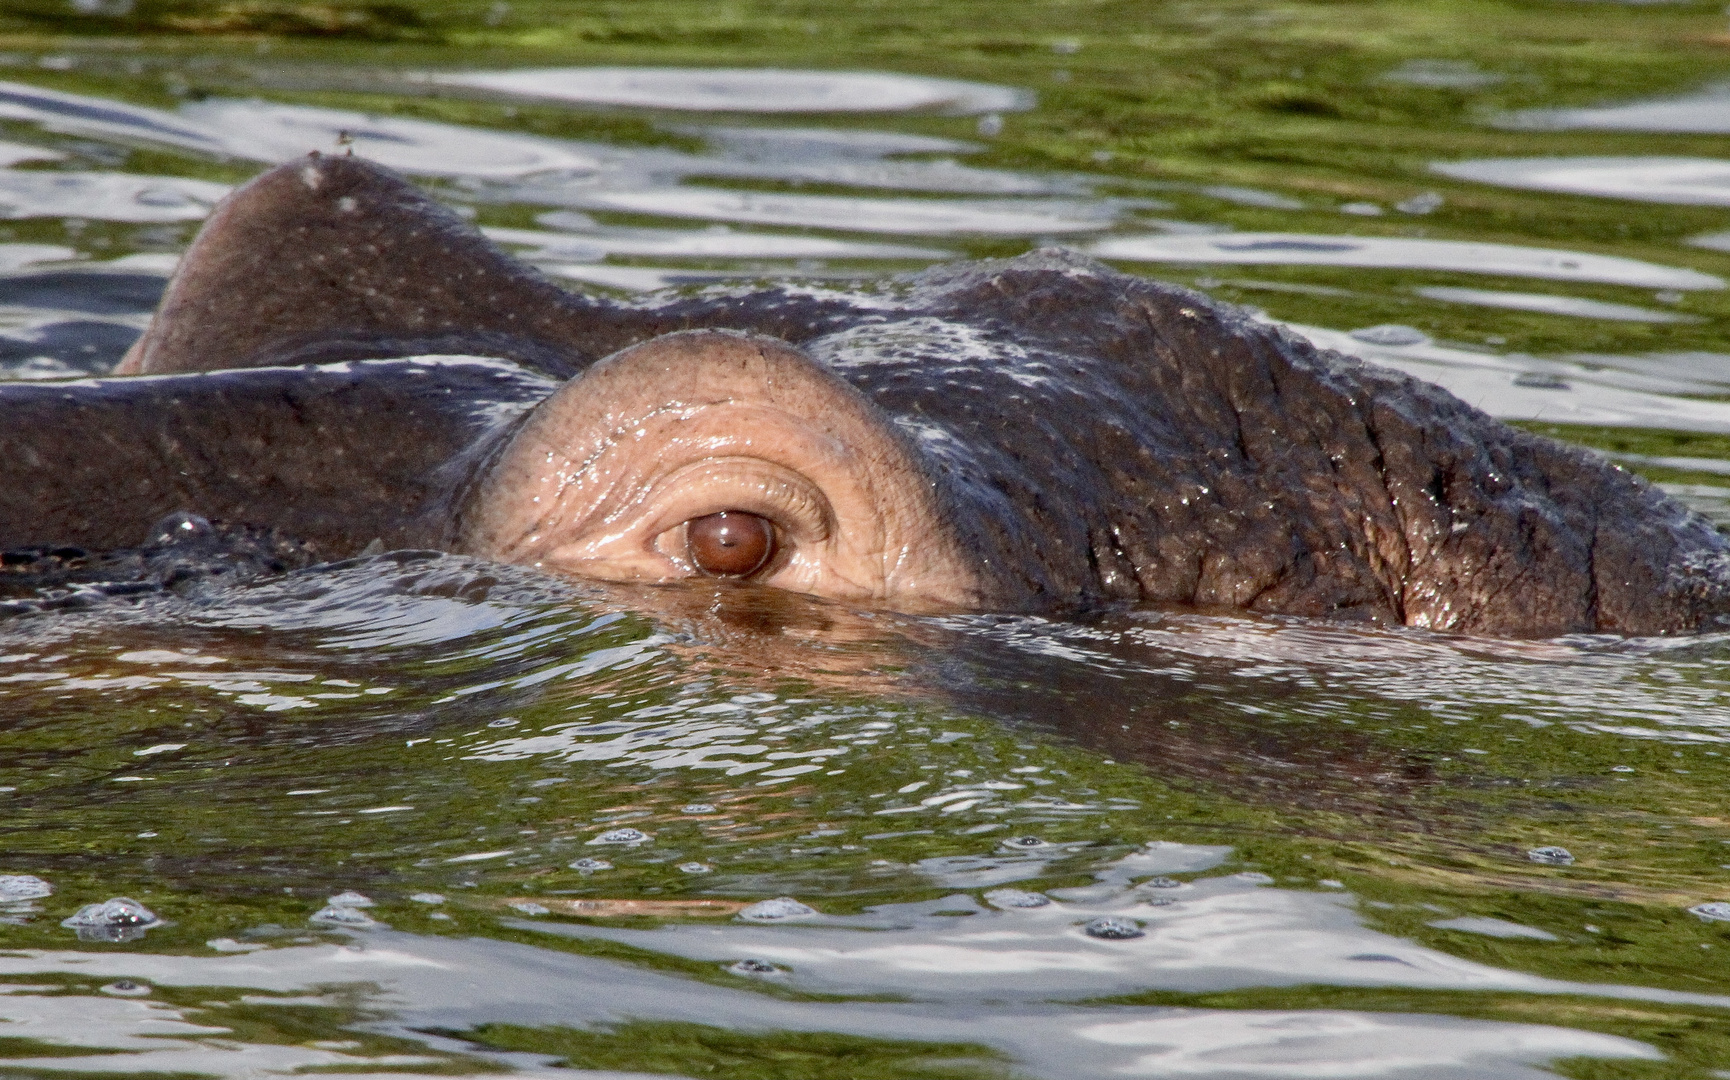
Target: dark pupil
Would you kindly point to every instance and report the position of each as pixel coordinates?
(729, 544)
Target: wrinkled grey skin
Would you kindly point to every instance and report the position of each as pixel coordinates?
(1093, 437)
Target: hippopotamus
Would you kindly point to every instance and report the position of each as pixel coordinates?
(345, 361)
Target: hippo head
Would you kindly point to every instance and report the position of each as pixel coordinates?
(723, 454)
(1041, 432)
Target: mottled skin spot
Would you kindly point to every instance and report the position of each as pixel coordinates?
(1034, 433)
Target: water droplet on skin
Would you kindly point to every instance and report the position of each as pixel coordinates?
(1551, 856)
(1112, 928)
(621, 836)
(1008, 899)
(589, 866)
(180, 527)
(782, 907)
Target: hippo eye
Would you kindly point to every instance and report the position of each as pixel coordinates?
(732, 543)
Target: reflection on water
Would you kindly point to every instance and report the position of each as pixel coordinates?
(416, 815)
(749, 90)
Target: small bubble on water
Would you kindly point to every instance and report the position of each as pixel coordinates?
(439, 915)
(529, 907)
(16, 888)
(125, 988)
(427, 897)
(1016, 898)
(695, 868)
(1551, 856)
(1331, 883)
(697, 808)
(1621, 768)
(782, 907)
(1026, 843)
(1112, 928)
(1254, 877)
(1162, 883)
(621, 836)
(754, 967)
(118, 919)
(589, 866)
(343, 917)
(990, 125)
(503, 721)
(349, 898)
(1712, 911)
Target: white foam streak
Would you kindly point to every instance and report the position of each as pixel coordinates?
(264, 131)
(1388, 252)
(630, 278)
(1549, 304)
(715, 243)
(18, 256)
(75, 114)
(1706, 112)
(1332, 1045)
(1487, 381)
(760, 90)
(12, 153)
(411, 984)
(931, 217)
(105, 196)
(1693, 181)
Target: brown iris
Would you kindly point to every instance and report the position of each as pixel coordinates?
(729, 544)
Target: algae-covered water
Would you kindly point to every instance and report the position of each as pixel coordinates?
(419, 815)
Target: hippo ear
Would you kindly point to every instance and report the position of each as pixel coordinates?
(334, 258)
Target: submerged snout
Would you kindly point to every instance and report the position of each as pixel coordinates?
(723, 455)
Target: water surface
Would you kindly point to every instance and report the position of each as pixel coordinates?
(419, 815)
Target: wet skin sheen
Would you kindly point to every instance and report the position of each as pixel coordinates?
(1036, 433)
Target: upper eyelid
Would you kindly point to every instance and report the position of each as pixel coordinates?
(798, 510)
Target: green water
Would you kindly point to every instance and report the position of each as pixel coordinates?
(409, 725)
